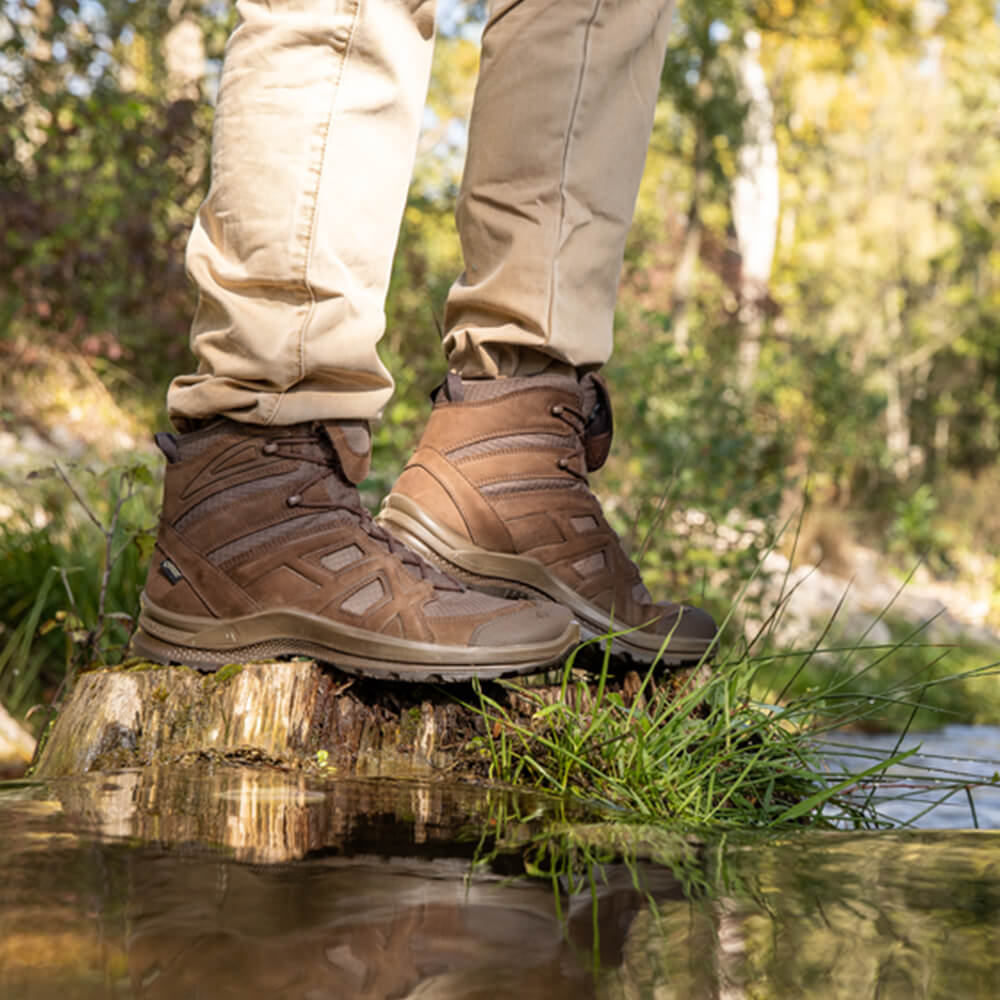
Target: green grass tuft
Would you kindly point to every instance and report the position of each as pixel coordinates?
(706, 756)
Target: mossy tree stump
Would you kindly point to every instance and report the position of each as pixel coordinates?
(290, 713)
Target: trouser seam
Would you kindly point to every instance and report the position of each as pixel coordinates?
(553, 276)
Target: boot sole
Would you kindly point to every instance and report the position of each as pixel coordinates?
(521, 576)
(210, 643)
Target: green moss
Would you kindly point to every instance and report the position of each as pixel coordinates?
(409, 725)
(225, 674)
(43, 738)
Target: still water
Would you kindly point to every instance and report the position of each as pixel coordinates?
(245, 883)
(951, 780)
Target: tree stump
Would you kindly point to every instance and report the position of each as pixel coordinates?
(291, 713)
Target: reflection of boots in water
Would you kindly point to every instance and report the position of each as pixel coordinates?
(221, 930)
(381, 903)
(369, 928)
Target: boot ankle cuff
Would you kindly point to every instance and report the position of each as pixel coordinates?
(481, 390)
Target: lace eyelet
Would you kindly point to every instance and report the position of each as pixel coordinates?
(562, 463)
(557, 410)
(294, 501)
(270, 448)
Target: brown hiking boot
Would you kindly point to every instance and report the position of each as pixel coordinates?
(265, 550)
(497, 494)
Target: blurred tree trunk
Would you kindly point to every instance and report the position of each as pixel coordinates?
(687, 266)
(755, 204)
(184, 57)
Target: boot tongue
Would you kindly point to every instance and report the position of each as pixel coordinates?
(599, 430)
(352, 441)
(167, 443)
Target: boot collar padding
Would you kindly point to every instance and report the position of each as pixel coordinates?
(600, 425)
(591, 391)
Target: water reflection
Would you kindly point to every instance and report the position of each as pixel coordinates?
(268, 815)
(889, 916)
(368, 928)
(248, 883)
(353, 889)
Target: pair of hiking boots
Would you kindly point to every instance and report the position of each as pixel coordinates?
(265, 549)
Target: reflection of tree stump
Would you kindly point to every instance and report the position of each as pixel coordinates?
(271, 814)
(282, 713)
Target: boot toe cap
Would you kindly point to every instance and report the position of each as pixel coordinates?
(528, 622)
(684, 621)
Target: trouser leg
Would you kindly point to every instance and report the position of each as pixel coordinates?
(558, 138)
(312, 152)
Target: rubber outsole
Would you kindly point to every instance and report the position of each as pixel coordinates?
(521, 576)
(209, 644)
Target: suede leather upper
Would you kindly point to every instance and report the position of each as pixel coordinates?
(504, 464)
(259, 519)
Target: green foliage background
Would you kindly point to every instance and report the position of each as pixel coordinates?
(877, 376)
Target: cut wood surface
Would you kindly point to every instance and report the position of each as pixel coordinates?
(17, 745)
(290, 713)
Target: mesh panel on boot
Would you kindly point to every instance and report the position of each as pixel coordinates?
(346, 556)
(528, 485)
(512, 442)
(467, 602)
(233, 494)
(591, 564)
(485, 389)
(361, 600)
(267, 537)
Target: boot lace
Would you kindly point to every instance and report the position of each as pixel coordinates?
(577, 421)
(329, 465)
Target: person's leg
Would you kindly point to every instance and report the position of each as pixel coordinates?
(497, 491)
(315, 134)
(557, 141)
(264, 548)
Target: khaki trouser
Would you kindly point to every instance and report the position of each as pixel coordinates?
(315, 135)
